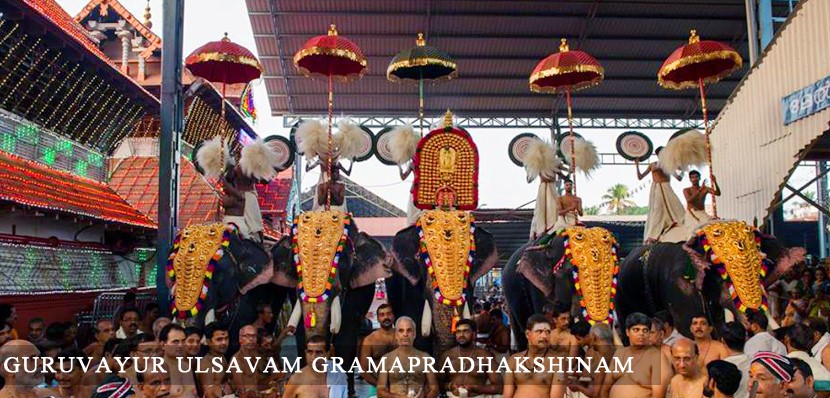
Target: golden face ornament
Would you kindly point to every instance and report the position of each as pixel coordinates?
(447, 247)
(195, 256)
(734, 248)
(319, 238)
(592, 253)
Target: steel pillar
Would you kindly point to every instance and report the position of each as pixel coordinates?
(752, 31)
(765, 22)
(821, 169)
(172, 124)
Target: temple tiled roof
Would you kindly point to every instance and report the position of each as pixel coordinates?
(104, 5)
(33, 184)
(136, 180)
(50, 10)
(273, 197)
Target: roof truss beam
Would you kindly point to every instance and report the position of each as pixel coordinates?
(511, 122)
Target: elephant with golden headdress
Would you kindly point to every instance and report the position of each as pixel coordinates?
(574, 268)
(724, 268)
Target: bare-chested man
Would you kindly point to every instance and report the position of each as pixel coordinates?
(378, 343)
(155, 383)
(308, 383)
(521, 384)
(93, 377)
(20, 384)
(570, 208)
(417, 382)
(474, 382)
(665, 212)
(183, 384)
(690, 378)
(598, 340)
(657, 336)
(245, 382)
(215, 384)
(499, 340)
(650, 370)
(710, 349)
(696, 200)
(562, 342)
(104, 331)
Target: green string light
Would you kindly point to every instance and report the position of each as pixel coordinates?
(8, 143)
(65, 267)
(49, 156)
(64, 147)
(24, 277)
(94, 159)
(28, 133)
(80, 167)
(96, 273)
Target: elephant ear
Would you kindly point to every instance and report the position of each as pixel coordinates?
(536, 265)
(372, 261)
(405, 248)
(697, 257)
(486, 254)
(781, 259)
(285, 274)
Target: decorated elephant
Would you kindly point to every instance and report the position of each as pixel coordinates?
(724, 268)
(574, 263)
(438, 261)
(333, 269)
(208, 269)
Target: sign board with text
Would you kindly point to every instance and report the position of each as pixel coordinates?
(807, 101)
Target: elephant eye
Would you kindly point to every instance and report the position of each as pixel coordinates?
(335, 217)
(717, 232)
(430, 220)
(306, 218)
(579, 236)
(212, 232)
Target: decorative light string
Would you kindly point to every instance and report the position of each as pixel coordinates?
(97, 97)
(50, 66)
(82, 99)
(25, 77)
(89, 129)
(60, 109)
(48, 104)
(47, 88)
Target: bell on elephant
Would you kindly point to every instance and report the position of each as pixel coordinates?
(724, 268)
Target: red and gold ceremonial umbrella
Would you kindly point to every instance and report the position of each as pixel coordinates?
(224, 62)
(566, 72)
(693, 66)
(334, 57)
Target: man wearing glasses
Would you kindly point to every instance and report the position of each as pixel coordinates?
(245, 381)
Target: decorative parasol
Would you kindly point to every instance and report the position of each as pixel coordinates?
(224, 62)
(693, 66)
(567, 71)
(331, 56)
(420, 63)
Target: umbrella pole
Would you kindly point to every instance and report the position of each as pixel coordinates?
(329, 160)
(223, 101)
(421, 102)
(708, 144)
(571, 135)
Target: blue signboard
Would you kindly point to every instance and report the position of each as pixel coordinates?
(807, 101)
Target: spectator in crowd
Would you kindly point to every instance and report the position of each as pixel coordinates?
(215, 384)
(733, 335)
(724, 380)
(104, 331)
(772, 372)
(172, 338)
(70, 378)
(761, 340)
(499, 340)
(36, 331)
(821, 340)
(192, 341)
(657, 335)
(69, 335)
(19, 384)
(802, 384)
(798, 341)
(8, 314)
(114, 386)
(55, 333)
(689, 377)
(820, 279)
(129, 302)
(159, 324)
(98, 372)
(5, 333)
(820, 305)
(710, 349)
(129, 324)
(154, 383)
(264, 317)
(669, 330)
(151, 313)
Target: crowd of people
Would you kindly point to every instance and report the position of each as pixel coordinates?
(739, 359)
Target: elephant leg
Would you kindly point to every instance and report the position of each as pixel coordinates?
(356, 303)
(519, 303)
(442, 322)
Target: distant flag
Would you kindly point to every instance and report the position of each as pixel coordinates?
(246, 103)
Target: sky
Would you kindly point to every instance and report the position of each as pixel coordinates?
(502, 184)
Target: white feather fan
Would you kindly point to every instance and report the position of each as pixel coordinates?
(258, 161)
(347, 139)
(312, 139)
(683, 152)
(213, 156)
(585, 156)
(541, 159)
(403, 142)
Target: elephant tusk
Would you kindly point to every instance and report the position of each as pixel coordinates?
(210, 317)
(616, 336)
(426, 320)
(728, 315)
(466, 313)
(336, 316)
(772, 324)
(294, 320)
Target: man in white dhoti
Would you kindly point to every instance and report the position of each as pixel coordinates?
(336, 189)
(412, 213)
(547, 207)
(241, 204)
(665, 219)
(696, 201)
(570, 208)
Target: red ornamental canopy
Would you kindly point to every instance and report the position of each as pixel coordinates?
(698, 62)
(225, 62)
(331, 55)
(566, 69)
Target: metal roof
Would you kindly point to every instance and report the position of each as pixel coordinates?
(496, 45)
